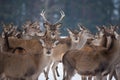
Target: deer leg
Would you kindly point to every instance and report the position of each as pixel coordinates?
(47, 71)
(98, 77)
(64, 73)
(115, 75)
(84, 78)
(111, 74)
(46, 74)
(104, 77)
(57, 71)
(89, 77)
(54, 68)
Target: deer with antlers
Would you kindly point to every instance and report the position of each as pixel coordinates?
(52, 32)
(64, 43)
(71, 42)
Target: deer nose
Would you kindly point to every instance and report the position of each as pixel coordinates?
(48, 52)
(53, 34)
(76, 38)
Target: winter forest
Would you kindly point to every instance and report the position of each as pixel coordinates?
(36, 36)
(87, 12)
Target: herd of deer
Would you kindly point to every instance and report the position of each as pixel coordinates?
(25, 54)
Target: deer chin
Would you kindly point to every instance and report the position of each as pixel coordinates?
(32, 34)
(76, 40)
(53, 36)
(40, 34)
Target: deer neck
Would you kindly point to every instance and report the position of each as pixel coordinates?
(83, 41)
(26, 37)
(100, 42)
(6, 45)
(74, 45)
(52, 38)
(114, 51)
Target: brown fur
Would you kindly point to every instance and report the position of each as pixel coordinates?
(27, 66)
(92, 62)
(18, 66)
(26, 44)
(69, 43)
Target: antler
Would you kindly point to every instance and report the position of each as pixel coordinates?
(43, 15)
(62, 16)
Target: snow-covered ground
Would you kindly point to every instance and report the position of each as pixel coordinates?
(60, 68)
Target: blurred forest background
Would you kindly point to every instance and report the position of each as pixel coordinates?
(87, 12)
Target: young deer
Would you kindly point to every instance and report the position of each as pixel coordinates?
(64, 45)
(99, 42)
(27, 66)
(113, 72)
(8, 31)
(11, 30)
(31, 29)
(91, 61)
(12, 44)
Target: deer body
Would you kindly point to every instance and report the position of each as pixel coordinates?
(2, 42)
(22, 66)
(90, 61)
(26, 44)
(28, 66)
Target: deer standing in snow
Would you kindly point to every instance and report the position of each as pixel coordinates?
(91, 61)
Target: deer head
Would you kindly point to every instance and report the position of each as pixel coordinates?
(10, 30)
(48, 46)
(52, 29)
(100, 37)
(32, 29)
(85, 33)
(83, 37)
(113, 30)
(74, 35)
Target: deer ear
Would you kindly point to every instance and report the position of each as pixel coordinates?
(42, 42)
(3, 25)
(116, 28)
(79, 33)
(69, 31)
(58, 25)
(81, 27)
(55, 43)
(116, 35)
(46, 24)
(98, 28)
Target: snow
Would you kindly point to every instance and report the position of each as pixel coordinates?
(60, 70)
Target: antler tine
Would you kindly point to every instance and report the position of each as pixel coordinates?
(43, 15)
(62, 16)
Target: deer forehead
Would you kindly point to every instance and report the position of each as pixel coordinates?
(52, 28)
